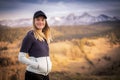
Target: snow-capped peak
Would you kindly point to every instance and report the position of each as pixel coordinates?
(70, 19)
(85, 14)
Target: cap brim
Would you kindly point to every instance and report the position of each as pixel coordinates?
(39, 16)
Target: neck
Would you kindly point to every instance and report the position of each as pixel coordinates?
(39, 30)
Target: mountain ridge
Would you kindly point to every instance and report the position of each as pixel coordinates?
(70, 19)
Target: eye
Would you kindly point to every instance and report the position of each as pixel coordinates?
(43, 19)
(40, 19)
(37, 19)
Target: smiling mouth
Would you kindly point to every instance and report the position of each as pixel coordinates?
(40, 24)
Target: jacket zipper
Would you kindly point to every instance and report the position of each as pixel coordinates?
(47, 65)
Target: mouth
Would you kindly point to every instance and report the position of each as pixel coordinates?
(40, 25)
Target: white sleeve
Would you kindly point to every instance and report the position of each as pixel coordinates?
(22, 58)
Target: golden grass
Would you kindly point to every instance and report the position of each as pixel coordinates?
(70, 57)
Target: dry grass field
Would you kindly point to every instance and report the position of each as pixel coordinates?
(77, 52)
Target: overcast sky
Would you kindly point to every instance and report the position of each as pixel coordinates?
(14, 9)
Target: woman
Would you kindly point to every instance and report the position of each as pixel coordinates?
(35, 43)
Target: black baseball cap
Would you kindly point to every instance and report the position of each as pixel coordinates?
(39, 13)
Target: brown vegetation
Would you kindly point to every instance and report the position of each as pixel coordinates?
(77, 53)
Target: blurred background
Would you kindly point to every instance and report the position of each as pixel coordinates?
(86, 37)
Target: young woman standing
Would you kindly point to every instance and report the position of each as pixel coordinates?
(35, 44)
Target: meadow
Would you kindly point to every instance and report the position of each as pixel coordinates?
(89, 52)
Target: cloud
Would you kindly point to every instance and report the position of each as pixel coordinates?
(26, 8)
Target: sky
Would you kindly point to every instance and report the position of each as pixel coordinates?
(18, 9)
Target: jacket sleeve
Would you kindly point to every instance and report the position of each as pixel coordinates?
(26, 43)
(22, 58)
(25, 47)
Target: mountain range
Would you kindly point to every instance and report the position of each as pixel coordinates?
(16, 23)
(84, 19)
(71, 19)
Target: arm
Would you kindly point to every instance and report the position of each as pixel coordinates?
(22, 58)
(25, 47)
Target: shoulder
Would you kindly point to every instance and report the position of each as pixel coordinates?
(30, 34)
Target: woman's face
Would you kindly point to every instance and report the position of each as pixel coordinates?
(40, 22)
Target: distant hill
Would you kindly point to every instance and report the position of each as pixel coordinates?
(84, 19)
(108, 23)
(17, 23)
(70, 19)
